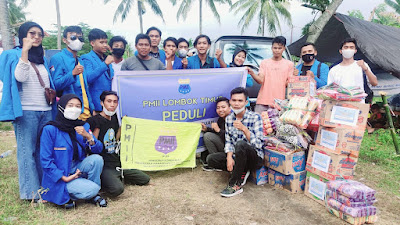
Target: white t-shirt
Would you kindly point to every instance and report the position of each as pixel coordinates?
(117, 66)
(347, 76)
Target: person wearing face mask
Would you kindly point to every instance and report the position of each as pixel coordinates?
(118, 45)
(350, 72)
(183, 49)
(24, 103)
(214, 136)
(106, 128)
(243, 144)
(68, 72)
(311, 66)
(68, 173)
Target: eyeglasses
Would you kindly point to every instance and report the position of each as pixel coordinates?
(33, 34)
(74, 37)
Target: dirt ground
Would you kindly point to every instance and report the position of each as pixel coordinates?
(191, 196)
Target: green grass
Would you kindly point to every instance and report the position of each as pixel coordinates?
(6, 126)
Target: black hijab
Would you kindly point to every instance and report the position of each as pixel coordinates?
(237, 50)
(35, 54)
(66, 125)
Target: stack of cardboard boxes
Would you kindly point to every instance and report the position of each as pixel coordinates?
(335, 153)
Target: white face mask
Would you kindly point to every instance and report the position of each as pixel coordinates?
(348, 53)
(72, 113)
(109, 113)
(75, 45)
(237, 111)
(182, 53)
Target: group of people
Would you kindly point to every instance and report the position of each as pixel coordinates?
(70, 148)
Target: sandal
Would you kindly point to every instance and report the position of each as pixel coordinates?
(99, 201)
(70, 205)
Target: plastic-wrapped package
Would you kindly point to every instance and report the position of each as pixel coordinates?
(300, 111)
(270, 120)
(352, 189)
(352, 211)
(276, 144)
(354, 220)
(348, 201)
(337, 92)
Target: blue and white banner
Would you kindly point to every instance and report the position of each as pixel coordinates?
(175, 95)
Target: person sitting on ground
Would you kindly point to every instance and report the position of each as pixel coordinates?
(142, 61)
(311, 66)
(106, 128)
(171, 61)
(243, 144)
(69, 175)
(214, 136)
(202, 61)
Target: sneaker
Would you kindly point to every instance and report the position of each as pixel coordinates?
(231, 191)
(244, 177)
(210, 169)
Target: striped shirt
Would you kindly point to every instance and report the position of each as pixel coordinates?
(32, 93)
(253, 122)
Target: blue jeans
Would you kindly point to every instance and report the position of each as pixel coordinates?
(83, 188)
(27, 128)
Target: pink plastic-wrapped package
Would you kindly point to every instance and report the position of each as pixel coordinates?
(348, 201)
(361, 211)
(354, 190)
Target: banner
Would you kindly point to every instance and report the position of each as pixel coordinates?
(176, 95)
(151, 145)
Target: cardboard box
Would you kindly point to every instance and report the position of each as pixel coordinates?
(344, 114)
(330, 165)
(340, 140)
(354, 220)
(260, 176)
(293, 182)
(302, 86)
(315, 187)
(285, 162)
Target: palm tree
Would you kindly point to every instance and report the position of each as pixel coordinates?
(58, 25)
(185, 6)
(267, 11)
(395, 4)
(11, 16)
(125, 6)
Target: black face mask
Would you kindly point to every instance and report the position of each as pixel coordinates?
(308, 58)
(118, 52)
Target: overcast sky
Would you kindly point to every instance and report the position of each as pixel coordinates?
(98, 15)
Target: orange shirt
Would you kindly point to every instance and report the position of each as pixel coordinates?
(276, 74)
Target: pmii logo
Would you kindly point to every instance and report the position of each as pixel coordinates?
(184, 86)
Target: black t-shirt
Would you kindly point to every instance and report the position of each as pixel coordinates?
(221, 125)
(107, 135)
(304, 69)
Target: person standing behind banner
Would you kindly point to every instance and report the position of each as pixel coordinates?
(68, 174)
(214, 136)
(142, 61)
(202, 61)
(118, 45)
(24, 103)
(68, 72)
(172, 61)
(273, 76)
(155, 38)
(97, 67)
(311, 66)
(106, 128)
(350, 72)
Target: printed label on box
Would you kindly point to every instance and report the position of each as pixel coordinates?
(321, 161)
(317, 188)
(344, 115)
(329, 139)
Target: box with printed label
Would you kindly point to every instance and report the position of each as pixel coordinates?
(340, 140)
(315, 187)
(285, 162)
(329, 165)
(293, 182)
(344, 114)
(260, 176)
(302, 86)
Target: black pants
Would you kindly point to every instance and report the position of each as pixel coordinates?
(111, 180)
(246, 158)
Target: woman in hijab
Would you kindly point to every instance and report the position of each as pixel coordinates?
(24, 103)
(68, 174)
(238, 59)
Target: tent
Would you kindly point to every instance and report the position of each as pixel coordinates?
(378, 45)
